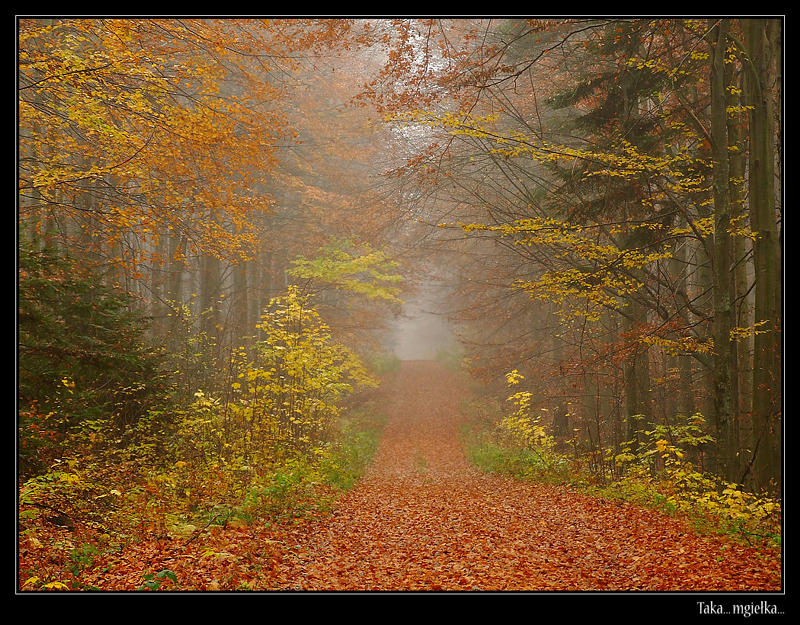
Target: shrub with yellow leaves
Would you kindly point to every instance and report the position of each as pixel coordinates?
(287, 395)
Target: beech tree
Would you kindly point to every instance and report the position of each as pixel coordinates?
(633, 213)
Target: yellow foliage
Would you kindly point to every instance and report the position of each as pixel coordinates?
(682, 485)
(681, 345)
(520, 427)
(134, 106)
(742, 333)
(513, 377)
(586, 292)
(289, 393)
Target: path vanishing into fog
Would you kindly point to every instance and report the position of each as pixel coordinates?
(423, 519)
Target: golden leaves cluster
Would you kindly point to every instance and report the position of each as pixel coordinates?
(288, 394)
(127, 120)
(605, 275)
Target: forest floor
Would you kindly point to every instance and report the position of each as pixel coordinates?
(423, 519)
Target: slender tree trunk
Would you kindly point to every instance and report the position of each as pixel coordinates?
(157, 286)
(241, 326)
(767, 392)
(561, 412)
(723, 378)
(209, 293)
(701, 289)
(177, 251)
(637, 375)
(591, 413)
(743, 352)
(684, 400)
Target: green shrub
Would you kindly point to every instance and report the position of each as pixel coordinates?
(382, 363)
(451, 357)
(82, 356)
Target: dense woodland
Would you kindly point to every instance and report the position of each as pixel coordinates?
(220, 222)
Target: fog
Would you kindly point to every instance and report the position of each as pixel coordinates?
(422, 329)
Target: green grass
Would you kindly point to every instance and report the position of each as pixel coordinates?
(543, 466)
(353, 451)
(488, 451)
(382, 363)
(451, 358)
(527, 464)
(307, 486)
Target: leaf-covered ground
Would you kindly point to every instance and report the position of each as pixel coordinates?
(423, 519)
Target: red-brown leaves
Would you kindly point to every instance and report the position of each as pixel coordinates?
(423, 519)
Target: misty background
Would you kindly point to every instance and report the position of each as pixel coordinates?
(423, 330)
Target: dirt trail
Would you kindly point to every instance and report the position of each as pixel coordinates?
(423, 519)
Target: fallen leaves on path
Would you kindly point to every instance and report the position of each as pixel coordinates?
(423, 519)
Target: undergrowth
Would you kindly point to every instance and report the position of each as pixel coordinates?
(658, 473)
(81, 509)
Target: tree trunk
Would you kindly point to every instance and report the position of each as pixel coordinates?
(157, 287)
(177, 250)
(767, 395)
(209, 293)
(241, 317)
(742, 279)
(637, 375)
(723, 377)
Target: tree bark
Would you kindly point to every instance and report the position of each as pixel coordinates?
(637, 375)
(767, 392)
(723, 377)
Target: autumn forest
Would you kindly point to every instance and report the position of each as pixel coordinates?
(400, 304)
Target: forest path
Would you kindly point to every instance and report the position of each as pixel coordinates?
(422, 518)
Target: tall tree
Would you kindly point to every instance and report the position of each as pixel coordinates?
(724, 374)
(761, 36)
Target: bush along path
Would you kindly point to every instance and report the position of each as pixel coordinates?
(423, 519)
